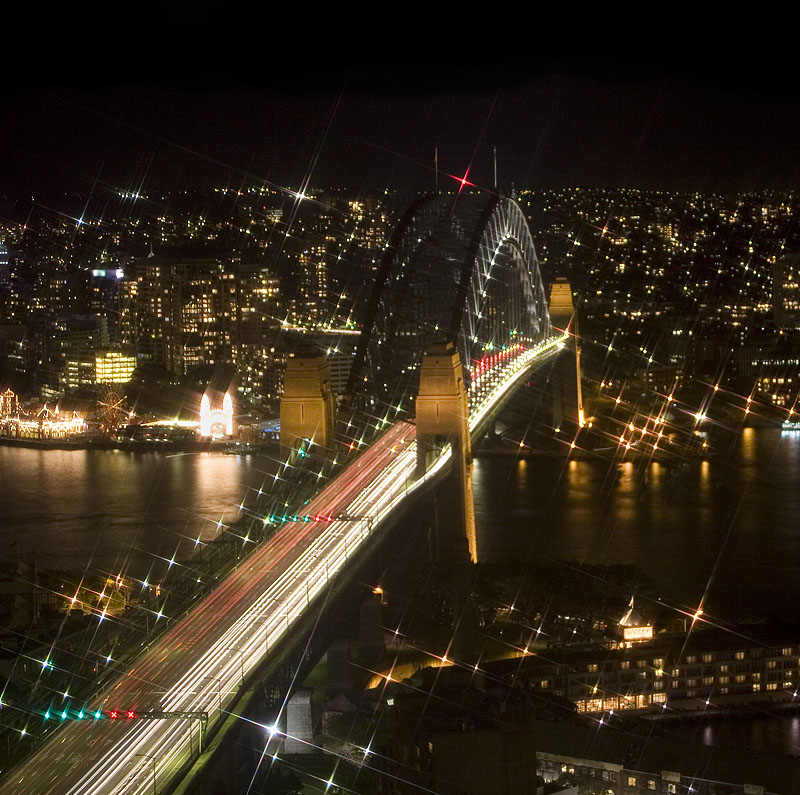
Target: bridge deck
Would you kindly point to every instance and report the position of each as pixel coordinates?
(198, 665)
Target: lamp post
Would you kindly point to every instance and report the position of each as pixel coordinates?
(153, 760)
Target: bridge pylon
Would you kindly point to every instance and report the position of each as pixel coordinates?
(308, 403)
(566, 379)
(442, 416)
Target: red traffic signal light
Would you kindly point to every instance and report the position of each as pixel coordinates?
(128, 714)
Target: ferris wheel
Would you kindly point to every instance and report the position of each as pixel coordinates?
(111, 408)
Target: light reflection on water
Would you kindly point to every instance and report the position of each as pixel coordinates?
(734, 515)
(778, 734)
(111, 510)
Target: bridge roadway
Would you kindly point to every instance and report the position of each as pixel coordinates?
(200, 663)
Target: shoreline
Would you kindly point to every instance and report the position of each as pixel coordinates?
(132, 446)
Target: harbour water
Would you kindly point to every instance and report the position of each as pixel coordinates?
(722, 532)
(110, 511)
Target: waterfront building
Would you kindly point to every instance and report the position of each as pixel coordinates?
(786, 292)
(457, 732)
(773, 365)
(707, 670)
(216, 421)
(611, 762)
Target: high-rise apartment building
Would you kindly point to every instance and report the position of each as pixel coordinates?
(186, 313)
(786, 292)
(172, 312)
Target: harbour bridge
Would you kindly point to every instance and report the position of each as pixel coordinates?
(458, 317)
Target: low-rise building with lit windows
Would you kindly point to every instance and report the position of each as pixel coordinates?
(113, 367)
(459, 735)
(706, 671)
(104, 366)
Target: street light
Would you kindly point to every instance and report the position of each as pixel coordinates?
(153, 760)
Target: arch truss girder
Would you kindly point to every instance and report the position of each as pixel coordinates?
(461, 268)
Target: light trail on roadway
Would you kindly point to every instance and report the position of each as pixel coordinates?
(199, 665)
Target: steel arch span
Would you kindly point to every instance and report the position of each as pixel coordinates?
(457, 268)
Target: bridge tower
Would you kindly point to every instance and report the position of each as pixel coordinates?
(442, 417)
(307, 403)
(566, 379)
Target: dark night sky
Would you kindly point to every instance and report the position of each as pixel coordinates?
(607, 101)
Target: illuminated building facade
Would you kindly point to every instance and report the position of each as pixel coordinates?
(786, 292)
(685, 675)
(516, 739)
(5, 267)
(216, 422)
(103, 366)
(113, 367)
(187, 313)
(308, 307)
(774, 365)
(9, 404)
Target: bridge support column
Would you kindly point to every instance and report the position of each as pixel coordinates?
(307, 404)
(442, 417)
(566, 379)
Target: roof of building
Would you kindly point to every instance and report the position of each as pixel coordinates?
(632, 617)
(638, 753)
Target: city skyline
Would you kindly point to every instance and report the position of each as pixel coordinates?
(238, 355)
